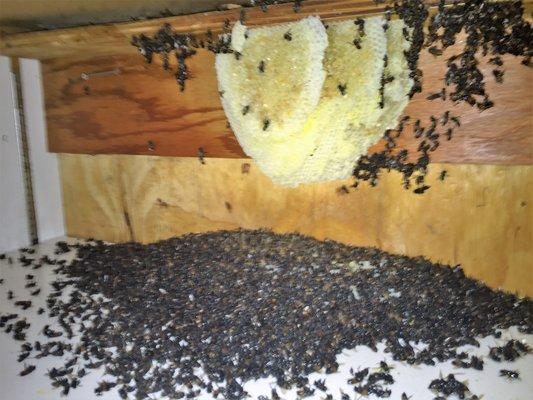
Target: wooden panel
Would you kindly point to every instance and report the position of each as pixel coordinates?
(33, 15)
(121, 113)
(479, 217)
(110, 39)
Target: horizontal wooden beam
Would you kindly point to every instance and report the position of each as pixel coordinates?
(137, 108)
(114, 39)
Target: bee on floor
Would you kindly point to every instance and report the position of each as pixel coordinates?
(28, 369)
(509, 374)
(287, 36)
(442, 175)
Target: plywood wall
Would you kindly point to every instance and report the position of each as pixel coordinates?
(480, 217)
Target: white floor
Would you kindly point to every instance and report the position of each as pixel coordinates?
(413, 381)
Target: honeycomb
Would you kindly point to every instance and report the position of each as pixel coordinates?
(304, 101)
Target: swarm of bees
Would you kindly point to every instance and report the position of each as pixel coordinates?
(463, 79)
(493, 29)
(128, 313)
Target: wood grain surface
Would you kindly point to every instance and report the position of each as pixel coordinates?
(113, 39)
(120, 114)
(480, 217)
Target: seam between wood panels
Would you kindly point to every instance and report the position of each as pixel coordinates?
(20, 123)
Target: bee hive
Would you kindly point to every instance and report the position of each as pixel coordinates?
(298, 126)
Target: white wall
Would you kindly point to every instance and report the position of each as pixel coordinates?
(44, 165)
(14, 227)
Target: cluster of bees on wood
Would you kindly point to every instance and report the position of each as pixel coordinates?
(493, 29)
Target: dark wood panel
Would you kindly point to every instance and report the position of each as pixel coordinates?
(110, 39)
(120, 114)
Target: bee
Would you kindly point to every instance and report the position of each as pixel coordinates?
(437, 95)
(421, 189)
(343, 190)
(498, 75)
(342, 89)
(445, 118)
(261, 66)
(266, 124)
(228, 206)
(287, 36)
(25, 304)
(48, 332)
(201, 155)
(442, 175)
(496, 61)
(435, 51)
(358, 376)
(357, 43)
(245, 110)
(360, 22)
(242, 16)
(456, 121)
(384, 366)
(321, 385)
(511, 375)
(28, 369)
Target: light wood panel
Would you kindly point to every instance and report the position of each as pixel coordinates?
(480, 217)
(120, 114)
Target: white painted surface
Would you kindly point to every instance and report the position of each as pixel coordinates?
(413, 380)
(14, 227)
(44, 165)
